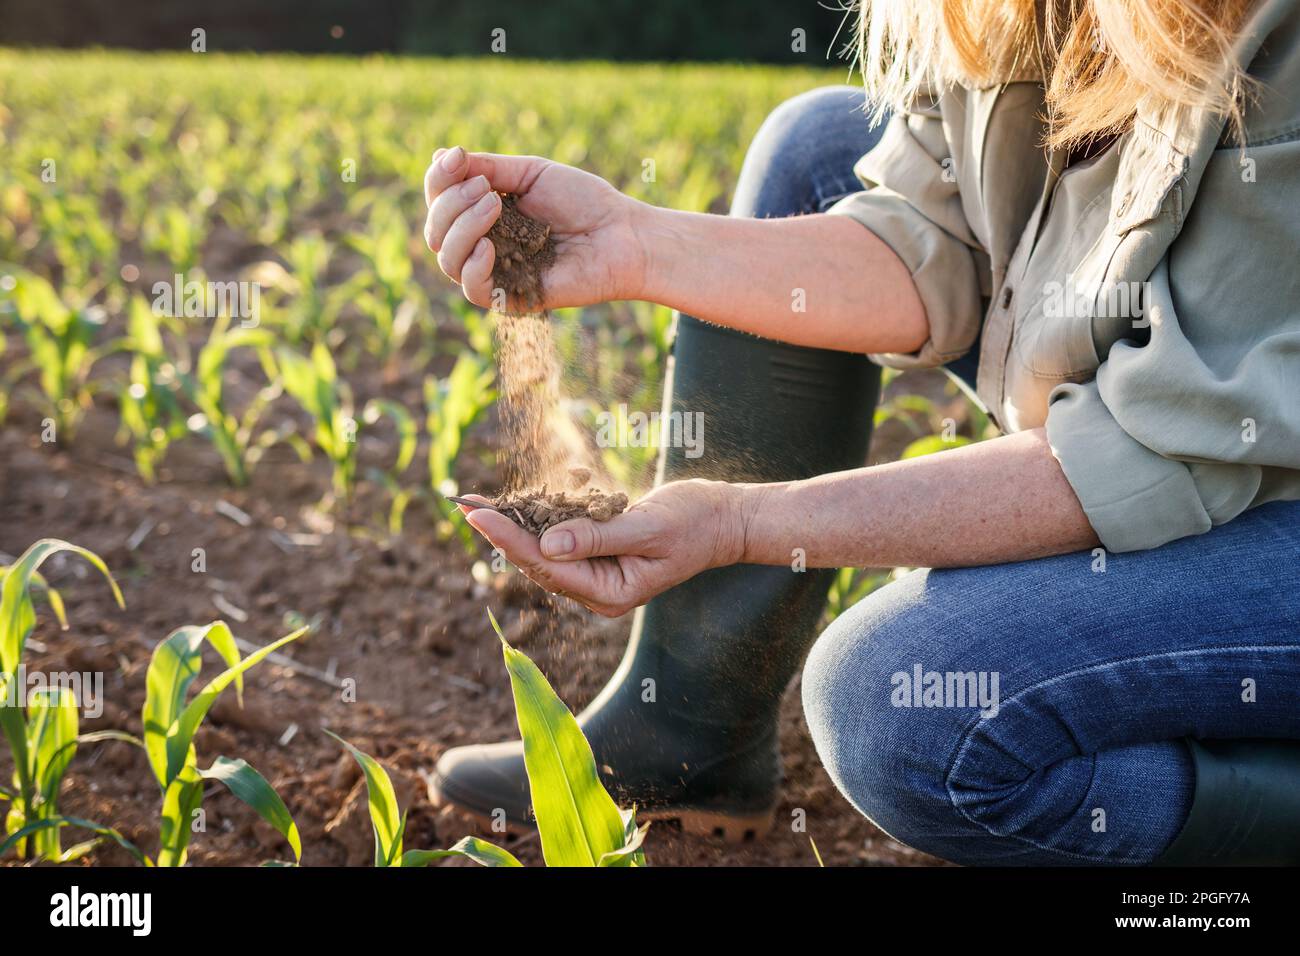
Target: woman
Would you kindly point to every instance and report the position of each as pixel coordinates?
(1088, 214)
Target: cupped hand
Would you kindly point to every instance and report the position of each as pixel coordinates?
(598, 255)
(674, 533)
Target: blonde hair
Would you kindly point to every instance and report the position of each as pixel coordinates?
(1098, 58)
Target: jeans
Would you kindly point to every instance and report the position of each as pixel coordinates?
(1034, 713)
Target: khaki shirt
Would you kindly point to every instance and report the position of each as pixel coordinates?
(1143, 305)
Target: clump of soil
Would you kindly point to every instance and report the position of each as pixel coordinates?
(525, 250)
(537, 510)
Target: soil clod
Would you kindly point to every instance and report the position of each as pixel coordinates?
(535, 511)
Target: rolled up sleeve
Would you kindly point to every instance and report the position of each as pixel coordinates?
(1170, 440)
(912, 203)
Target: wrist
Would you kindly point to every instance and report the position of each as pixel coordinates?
(659, 236)
(745, 510)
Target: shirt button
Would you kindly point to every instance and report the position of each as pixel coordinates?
(1006, 298)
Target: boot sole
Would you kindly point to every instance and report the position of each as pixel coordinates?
(731, 828)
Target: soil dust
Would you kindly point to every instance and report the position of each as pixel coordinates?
(535, 453)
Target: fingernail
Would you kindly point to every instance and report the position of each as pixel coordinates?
(451, 159)
(486, 204)
(481, 248)
(476, 187)
(557, 543)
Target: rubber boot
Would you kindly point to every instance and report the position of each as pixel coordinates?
(1246, 807)
(687, 726)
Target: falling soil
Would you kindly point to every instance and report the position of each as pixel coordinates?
(533, 455)
(536, 511)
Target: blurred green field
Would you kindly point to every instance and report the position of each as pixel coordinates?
(302, 176)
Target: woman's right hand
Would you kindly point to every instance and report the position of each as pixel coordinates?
(599, 257)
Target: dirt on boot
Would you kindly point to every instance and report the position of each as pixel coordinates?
(537, 510)
(524, 251)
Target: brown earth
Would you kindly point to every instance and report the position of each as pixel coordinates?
(403, 618)
(537, 510)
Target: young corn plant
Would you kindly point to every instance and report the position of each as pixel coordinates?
(236, 438)
(170, 724)
(151, 410)
(578, 821)
(314, 383)
(304, 309)
(391, 298)
(391, 480)
(60, 344)
(452, 406)
(176, 234)
(42, 728)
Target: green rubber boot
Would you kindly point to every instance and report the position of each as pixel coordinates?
(1246, 808)
(687, 727)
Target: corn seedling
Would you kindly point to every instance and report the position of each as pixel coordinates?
(314, 382)
(152, 414)
(304, 308)
(235, 437)
(390, 480)
(41, 730)
(578, 821)
(82, 241)
(60, 344)
(170, 725)
(452, 406)
(176, 234)
(391, 299)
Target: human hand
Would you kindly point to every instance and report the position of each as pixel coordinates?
(672, 534)
(598, 255)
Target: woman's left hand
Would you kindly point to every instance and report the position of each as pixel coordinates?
(672, 534)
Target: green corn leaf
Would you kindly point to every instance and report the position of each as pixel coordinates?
(17, 617)
(404, 423)
(470, 848)
(52, 722)
(180, 737)
(14, 727)
(183, 796)
(388, 822)
(172, 668)
(630, 854)
(577, 819)
(66, 821)
(253, 789)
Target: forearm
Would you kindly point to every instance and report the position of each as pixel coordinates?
(997, 501)
(818, 280)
